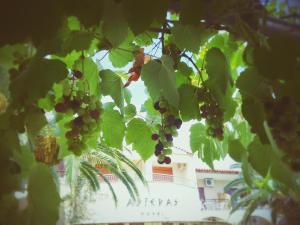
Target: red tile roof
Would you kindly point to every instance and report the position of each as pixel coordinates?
(217, 171)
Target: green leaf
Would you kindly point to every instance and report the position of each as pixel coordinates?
(122, 55)
(236, 150)
(140, 14)
(111, 84)
(43, 197)
(129, 111)
(113, 128)
(218, 69)
(139, 135)
(258, 155)
(44, 73)
(78, 41)
(25, 159)
(197, 132)
(35, 120)
(90, 73)
(208, 149)
(115, 28)
(159, 78)
(127, 95)
(251, 84)
(189, 37)
(253, 112)
(188, 104)
(246, 170)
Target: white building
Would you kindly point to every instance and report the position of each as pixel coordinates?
(183, 192)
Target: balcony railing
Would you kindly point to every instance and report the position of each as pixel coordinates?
(162, 177)
(215, 204)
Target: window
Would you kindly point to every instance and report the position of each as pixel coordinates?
(164, 174)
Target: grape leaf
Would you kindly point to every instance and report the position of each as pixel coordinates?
(188, 104)
(43, 197)
(115, 27)
(44, 73)
(218, 69)
(147, 10)
(78, 41)
(208, 149)
(90, 72)
(251, 84)
(258, 153)
(35, 121)
(129, 111)
(159, 78)
(197, 132)
(113, 128)
(236, 150)
(253, 112)
(189, 37)
(139, 135)
(111, 84)
(122, 55)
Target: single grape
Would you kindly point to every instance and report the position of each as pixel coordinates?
(154, 137)
(159, 146)
(78, 121)
(157, 152)
(60, 107)
(178, 123)
(167, 160)
(95, 114)
(156, 105)
(169, 137)
(72, 133)
(218, 131)
(78, 74)
(162, 110)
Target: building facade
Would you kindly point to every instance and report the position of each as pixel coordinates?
(184, 192)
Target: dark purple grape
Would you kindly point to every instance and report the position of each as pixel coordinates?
(204, 114)
(178, 123)
(159, 146)
(60, 107)
(72, 133)
(169, 137)
(218, 132)
(78, 74)
(162, 110)
(157, 152)
(78, 121)
(95, 114)
(154, 137)
(167, 160)
(156, 105)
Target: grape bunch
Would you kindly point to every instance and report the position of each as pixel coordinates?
(85, 110)
(211, 112)
(166, 131)
(283, 118)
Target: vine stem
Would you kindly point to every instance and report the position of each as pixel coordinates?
(194, 64)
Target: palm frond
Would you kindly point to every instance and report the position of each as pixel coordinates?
(90, 174)
(234, 183)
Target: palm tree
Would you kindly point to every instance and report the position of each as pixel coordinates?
(83, 170)
(252, 191)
